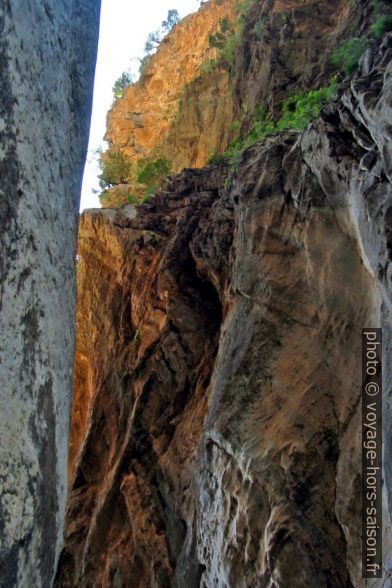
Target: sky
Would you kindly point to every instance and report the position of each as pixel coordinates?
(124, 27)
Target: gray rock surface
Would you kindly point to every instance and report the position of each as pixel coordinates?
(47, 59)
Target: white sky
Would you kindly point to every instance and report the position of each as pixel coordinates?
(125, 25)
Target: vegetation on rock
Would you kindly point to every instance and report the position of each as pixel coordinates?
(219, 39)
(227, 37)
(301, 108)
(382, 24)
(151, 173)
(346, 56)
(115, 168)
(223, 35)
(383, 18)
(155, 37)
(217, 159)
(118, 195)
(298, 110)
(125, 80)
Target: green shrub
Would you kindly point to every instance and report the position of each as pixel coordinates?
(225, 39)
(242, 9)
(171, 20)
(262, 125)
(235, 145)
(116, 168)
(300, 109)
(216, 159)
(208, 66)
(228, 50)
(144, 63)
(218, 40)
(227, 182)
(104, 196)
(347, 55)
(117, 196)
(225, 25)
(381, 25)
(155, 37)
(152, 172)
(153, 41)
(121, 83)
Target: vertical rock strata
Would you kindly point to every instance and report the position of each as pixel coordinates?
(47, 57)
(216, 427)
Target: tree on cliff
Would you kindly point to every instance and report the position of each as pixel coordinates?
(115, 167)
(125, 80)
(172, 19)
(155, 37)
(151, 173)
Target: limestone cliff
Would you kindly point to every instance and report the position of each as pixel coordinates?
(139, 122)
(47, 57)
(216, 437)
(190, 103)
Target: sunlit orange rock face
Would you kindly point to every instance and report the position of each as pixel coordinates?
(186, 113)
(218, 368)
(83, 387)
(141, 120)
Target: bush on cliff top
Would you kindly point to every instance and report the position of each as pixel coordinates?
(115, 166)
(151, 173)
(121, 83)
(155, 38)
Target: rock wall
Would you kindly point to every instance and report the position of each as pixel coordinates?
(47, 56)
(140, 120)
(216, 428)
(186, 113)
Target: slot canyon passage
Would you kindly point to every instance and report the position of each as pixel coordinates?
(215, 434)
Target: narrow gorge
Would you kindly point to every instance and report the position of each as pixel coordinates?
(216, 428)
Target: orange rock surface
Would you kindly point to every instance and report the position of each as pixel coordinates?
(141, 120)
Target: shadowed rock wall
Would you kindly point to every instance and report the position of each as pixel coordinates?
(47, 59)
(216, 428)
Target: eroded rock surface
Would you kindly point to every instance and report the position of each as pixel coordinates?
(216, 437)
(47, 56)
